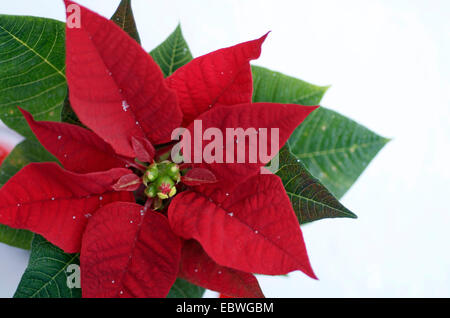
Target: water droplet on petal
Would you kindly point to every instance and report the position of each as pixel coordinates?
(231, 214)
(113, 281)
(227, 194)
(121, 292)
(18, 204)
(125, 105)
(196, 270)
(59, 137)
(53, 198)
(74, 217)
(219, 272)
(131, 222)
(100, 198)
(256, 232)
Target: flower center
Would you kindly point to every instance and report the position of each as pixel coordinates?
(161, 179)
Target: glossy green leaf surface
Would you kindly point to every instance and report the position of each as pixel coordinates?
(48, 273)
(32, 63)
(275, 87)
(310, 199)
(334, 148)
(184, 289)
(173, 53)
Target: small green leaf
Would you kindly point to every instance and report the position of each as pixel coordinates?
(334, 148)
(47, 273)
(124, 18)
(274, 87)
(310, 199)
(24, 153)
(184, 289)
(173, 53)
(68, 115)
(32, 63)
(16, 238)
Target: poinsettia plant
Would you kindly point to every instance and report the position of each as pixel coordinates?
(99, 181)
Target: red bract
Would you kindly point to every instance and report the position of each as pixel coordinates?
(44, 198)
(3, 153)
(253, 230)
(221, 224)
(129, 253)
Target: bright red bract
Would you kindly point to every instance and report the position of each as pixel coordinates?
(197, 267)
(256, 223)
(221, 77)
(48, 200)
(113, 80)
(129, 252)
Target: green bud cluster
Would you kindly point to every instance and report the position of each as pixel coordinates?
(160, 180)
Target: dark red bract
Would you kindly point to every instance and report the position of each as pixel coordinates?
(226, 223)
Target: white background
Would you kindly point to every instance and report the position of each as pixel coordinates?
(388, 63)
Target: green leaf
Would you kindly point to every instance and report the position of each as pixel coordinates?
(16, 238)
(334, 148)
(32, 63)
(274, 87)
(184, 289)
(310, 199)
(47, 274)
(24, 153)
(124, 18)
(68, 115)
(172, 53)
